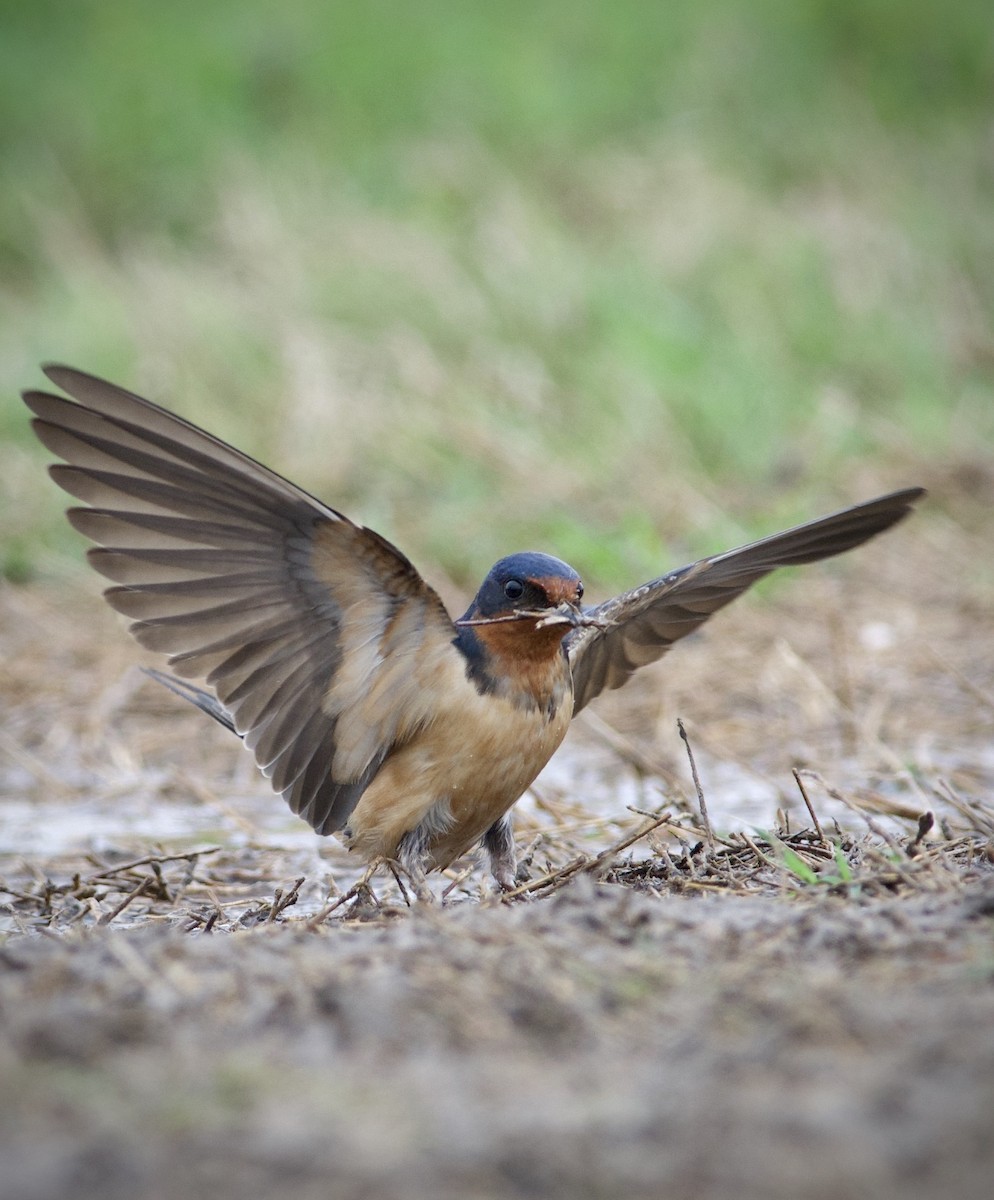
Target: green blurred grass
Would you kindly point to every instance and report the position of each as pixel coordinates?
(620, 281)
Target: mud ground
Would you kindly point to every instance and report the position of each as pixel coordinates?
(198, 997)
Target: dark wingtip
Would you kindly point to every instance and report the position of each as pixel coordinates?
(72, 381)
(896, 505)
(32, 397)
(907, 495)
(57, 372)
(205, 701)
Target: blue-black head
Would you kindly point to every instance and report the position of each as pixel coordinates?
(528, 585)
(513, 635)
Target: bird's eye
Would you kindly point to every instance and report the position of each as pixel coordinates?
(514, 589)
(579, 591)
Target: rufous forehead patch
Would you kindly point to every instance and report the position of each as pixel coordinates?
(558, 589)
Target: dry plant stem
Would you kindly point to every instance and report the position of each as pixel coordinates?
(681, 831)
(353, 891)
(281, 901)
(120, 868)
(968, 809)
(604, 855)
(217, 914)
(552, 878)
(456, 881)
(136, 891)
(892, 844)
(765, 858)
(697, 784)
(557, 878)
(810, 807)
(905, 811)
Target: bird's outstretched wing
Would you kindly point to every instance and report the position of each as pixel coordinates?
(639, 626)
(309, 628)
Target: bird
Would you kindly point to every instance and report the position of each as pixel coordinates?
(378, 717)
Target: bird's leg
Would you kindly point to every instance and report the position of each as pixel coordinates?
(410, 858)
(498, 842)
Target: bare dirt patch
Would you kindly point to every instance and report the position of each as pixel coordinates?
(197, 995)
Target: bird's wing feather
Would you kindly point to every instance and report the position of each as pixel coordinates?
(306, 626)
(639, 626)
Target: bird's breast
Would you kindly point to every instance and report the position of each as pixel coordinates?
(465, 768)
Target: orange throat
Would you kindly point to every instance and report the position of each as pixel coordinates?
(527, 661)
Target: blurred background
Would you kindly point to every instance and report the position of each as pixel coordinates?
(628, 282)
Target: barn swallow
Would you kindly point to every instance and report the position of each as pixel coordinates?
(377, 716)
